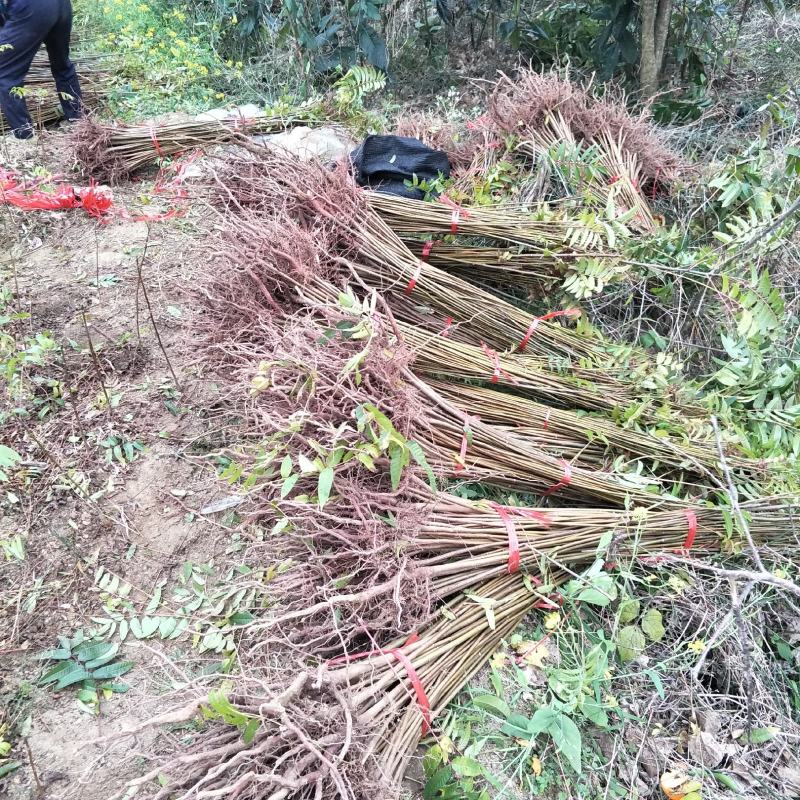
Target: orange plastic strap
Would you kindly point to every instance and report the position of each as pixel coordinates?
(569, 312)
(566, 479)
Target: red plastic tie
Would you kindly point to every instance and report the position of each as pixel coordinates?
(426, 249)
(457, 212)
(154, 139)
(498, 371)
(419, 690)
(461, 464)
(691, 519)
(513, 540)
(413, 282)
(448, 323)
(655, 185)
(568, 312)
(566, 479)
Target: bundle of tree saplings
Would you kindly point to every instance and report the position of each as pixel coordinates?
(512, 265)
(329, 200)
(346, 587)
(594, 148)
(40, 93)
(539, 421)
(111, 150)
(254, 242)
(347, 729)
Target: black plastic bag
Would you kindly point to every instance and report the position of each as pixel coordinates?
(385, 163)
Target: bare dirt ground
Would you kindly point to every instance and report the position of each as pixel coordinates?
(78, 508)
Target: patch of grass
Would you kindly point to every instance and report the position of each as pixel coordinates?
(644, 675)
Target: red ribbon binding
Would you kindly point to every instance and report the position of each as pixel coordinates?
(426, 249)
(513, 541)
(419, 690)
(505, 513)
(566, 479)
(568, 312)
(448, 323)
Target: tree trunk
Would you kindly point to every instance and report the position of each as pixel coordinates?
(655, 29)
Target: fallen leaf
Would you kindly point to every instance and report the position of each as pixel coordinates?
(706, 750)
(552, 620)
(498, 659)
(676, 785)
(791, 777)
(223, 504)
(531, 652)
(756, 735)
(536, 766)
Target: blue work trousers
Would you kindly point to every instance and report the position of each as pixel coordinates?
(29, 24)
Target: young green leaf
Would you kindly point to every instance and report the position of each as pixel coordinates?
(567, 739)
(466, 767)
(109, 655)
(630, 643)
(396, 466)
(495, 705)
(75, 674)
(542, 720)
(90, 651)
(416, 453)
(288, 485)
(112, 670)
(58, 654)
(628, 610)
(324, 485)
(652, 625)
(600, 591)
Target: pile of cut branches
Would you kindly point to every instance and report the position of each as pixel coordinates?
(367, 387)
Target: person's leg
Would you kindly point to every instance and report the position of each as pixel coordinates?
(26, 26)
(57, 44)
